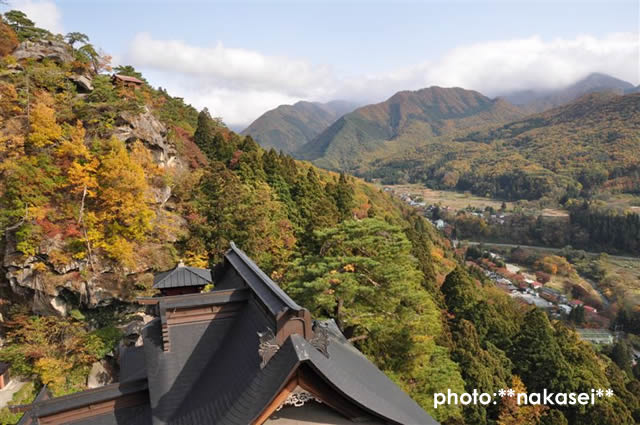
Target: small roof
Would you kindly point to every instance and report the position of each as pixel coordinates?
(128, 79)
(182, 276)
(3, 367)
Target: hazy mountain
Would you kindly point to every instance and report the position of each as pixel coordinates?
(288, 127)
(414, 116)
(541, 100)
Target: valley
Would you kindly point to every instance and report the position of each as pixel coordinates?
(587, 289)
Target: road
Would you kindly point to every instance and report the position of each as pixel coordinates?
(545, 248)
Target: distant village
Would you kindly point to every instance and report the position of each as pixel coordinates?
(518, 284)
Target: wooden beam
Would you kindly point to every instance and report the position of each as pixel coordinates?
(277, 401)
(95, 409)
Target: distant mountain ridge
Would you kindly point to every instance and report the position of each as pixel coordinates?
(585, 146)
(410, 115)
(288, 127)
(534, 101)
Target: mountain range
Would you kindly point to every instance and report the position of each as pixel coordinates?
(288, 127)
(421, 114)
(337, 137)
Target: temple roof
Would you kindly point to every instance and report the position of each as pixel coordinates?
(229, 356)
(182, 276)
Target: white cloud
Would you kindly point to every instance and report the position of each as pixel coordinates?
(44, 13)
(534, 63)
(240, 84)
(239, 68)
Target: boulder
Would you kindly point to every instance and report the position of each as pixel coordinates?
(57, 51)
(101, 374)
(83, 83)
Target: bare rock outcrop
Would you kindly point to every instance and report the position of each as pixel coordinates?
(57, 51)
(150, 131)
(101, 374)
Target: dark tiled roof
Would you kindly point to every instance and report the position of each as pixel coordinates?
(3, 367)
(132, 364)
(236, 368)
(182, 276)
(353, 375)
(273, 297)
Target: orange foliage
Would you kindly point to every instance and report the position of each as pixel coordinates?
(8, 39)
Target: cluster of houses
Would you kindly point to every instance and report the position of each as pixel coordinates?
(490, 216)
(527, 289)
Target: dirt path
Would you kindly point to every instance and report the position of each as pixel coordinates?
(6, 394)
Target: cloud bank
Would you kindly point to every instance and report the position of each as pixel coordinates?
(240, 84)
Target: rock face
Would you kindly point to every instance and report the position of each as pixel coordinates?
(49, 286)
(150, 131)
(54, 284)
(132, 331)
(55, 50)
(101, 374)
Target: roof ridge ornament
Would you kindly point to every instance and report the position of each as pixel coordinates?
(320, 340)
(268, 346)
(298, 398)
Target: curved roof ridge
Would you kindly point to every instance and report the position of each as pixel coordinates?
(270, 284)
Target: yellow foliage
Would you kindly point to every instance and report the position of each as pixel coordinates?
(123, 192)
(8, 100)
(141, 155)
(513, 414)
(119, 249)
(44, 130)
(52, 372)
(196, 259)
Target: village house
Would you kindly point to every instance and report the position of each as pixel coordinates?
(576, 303)
(244, 353)
(536, 285)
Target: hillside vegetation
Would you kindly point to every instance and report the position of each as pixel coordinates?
(104, 183)
(288, 127)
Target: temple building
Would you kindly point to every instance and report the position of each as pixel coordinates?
(244, 353)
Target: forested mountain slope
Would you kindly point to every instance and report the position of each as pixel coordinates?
(413, 117)
(586, 146)
(288, 127)
(104, 183)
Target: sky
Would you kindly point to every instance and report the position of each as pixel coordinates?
(240, 59)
